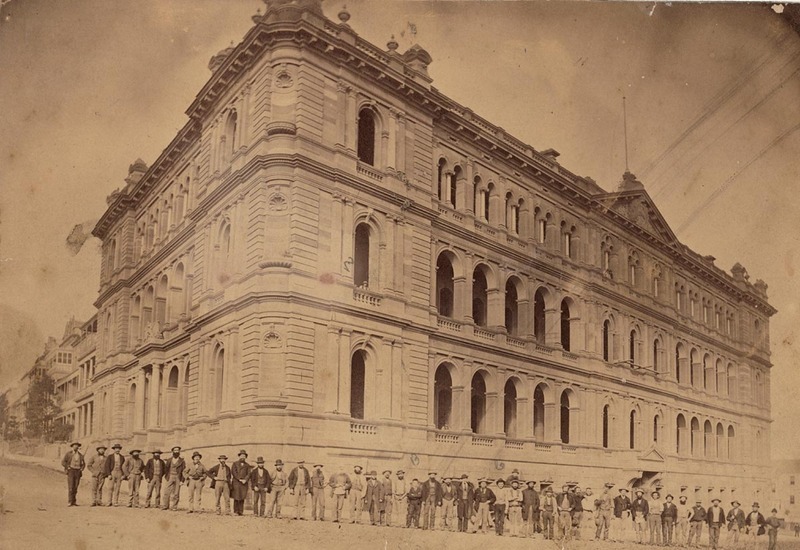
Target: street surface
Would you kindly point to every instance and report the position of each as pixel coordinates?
(37, 517)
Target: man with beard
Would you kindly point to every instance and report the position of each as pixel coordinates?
(400, 504)
(174, 467)
(358, 484)
(530, 509)
(654, 518)
(640, 509)
(240, 471)
(669, 516)
(299, 486)
(95, 467)
(483, 500)
(261, 484)
(564, 501)
(735, 523)
(605, 511)
(340, 485)
(113, 469)
(134, 469)
(280, 480)
(221, 483)
(195, 478)
(431, 499)
(388, 497)
(448, 504)
(318, 494)
(622, 513)
(154, 472)
(374, 497)
(465, 492)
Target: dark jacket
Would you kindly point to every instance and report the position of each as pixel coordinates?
(149, 468)
(436, 488)
(483, 495)
(295, 478)
(214, 470)
(374, 494)
(415, 493)
(712, 518)
(698, 514)
(564, 502)
(759, 521)
(108, 466)
(669, 513)
(464, 498)
(621, 504)
(530, 503)
(262, 482)
(640, 507)
(180, 465)
(735, 517)
(65, 462)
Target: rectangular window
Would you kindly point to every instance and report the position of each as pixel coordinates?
(791, 499)
(542, 231)
(791, 480)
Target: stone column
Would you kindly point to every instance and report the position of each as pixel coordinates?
(495, 303)
(552, 324)
(466, 290)
(351, 117)
(391, 149)
(343, 122)
(552, 426)
(347, 239)
(401, 142)
(461, 408)
(139, 401)
(396, 390)
(344, 372)
(332, 369)
(469, 187)
(524, 415)
(494, 413)
(384, 381)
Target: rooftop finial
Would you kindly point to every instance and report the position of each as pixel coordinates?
(392, 44)
(344, 15)
(257, 17)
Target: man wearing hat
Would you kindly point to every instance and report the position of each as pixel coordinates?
(696, 520)
(514, 475)
(318, 494)
(173, 474)
(715, 516)
(773, 523)
(280, 479)
(196, 475)
(577, 511)
(113, 469)
(754, 524)
(622, 512)
(735, 519)
(95, 467)
(300, 486)
(549, 511)
(500, 506)
(73, 464)
(221, 477)
(388, 498)
(515, 507)
(684, 512)
(654, 517)
(605, 511)
(484, 499)
(240, 470)
(154, 472)
(640, 509)
(414, 504)
(356, 493)
(530, 508)
(261, 484)
(669, 516)
(340, 484)
(133, 470)
(400, 496)
(373, 497)
(431, 499)
(465, 493)
(564, 501)
(448, 504)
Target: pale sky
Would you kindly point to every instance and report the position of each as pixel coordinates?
(713, 96)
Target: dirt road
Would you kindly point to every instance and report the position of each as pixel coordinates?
(37, 517)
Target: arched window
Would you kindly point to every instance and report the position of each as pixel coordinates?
(357, 384)
(541, 224)
(695, 437)
(656, 421)
(361, 252)
(678, 363)
(478, 404)
(146, 394)
(181, 307)
(633, 269)
(111, 258)
(680, 434)
(606, 340)
(185, 396)
(708, 436)
(719, 377)
(696, 372)
(657, 355)
(476, 195)
(366, 136)
(454, 177)
(511, 307)
(565, 420)
(224, 251)
(444, 285)
(441, 184)
(708, 372)
(487, 196)
(731, 382)
(720, 441)
(131, 410)
(136, 312)
(605, 426)
(479, 296)
(538, 413)
(731, 443)
(172, 397)
(565, 325)
(219, 378)
(442, 397)
(539, 326)
(161, 300)
(632, 347)
(510, 409)
(567, 234)
(632, 430)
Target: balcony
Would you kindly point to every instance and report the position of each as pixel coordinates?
(363, 429)
(485, 334)
(364, 296)
(515, 342)
(482, 441)
(446, 438)
(368, 171)
(514, 444)
(448, 324)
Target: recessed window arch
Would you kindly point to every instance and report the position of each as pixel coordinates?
(567, 403)
(695, 442)
(632, 429)
(478, 403)
(657, 355)
(720, 442)
(708, 372)
(130, 409)
(539, 411)
(656, 427)
(510, 407)
(227, 143)
(607, 334)
(367, 133)
(566, 322)
(731, 443)
(219, 378)
(606, 425)
(633, 269)
(731, 380)
(477, 195)
(358, 366)
(445, 285)
(512, 305)
(361, 255)
(607, 257)
(633, 339)
(568, 240)
(480, 288)
(453, 189)
(539, 315)
(443, 397)
(708, 439)
(487, 198)
(441, 175)
(680, 432)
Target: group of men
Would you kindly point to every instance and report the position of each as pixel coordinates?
(458, 503)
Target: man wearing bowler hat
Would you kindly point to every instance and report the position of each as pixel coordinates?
(261, 484)
(113, 469)
(174, 467)
(195, 479)
(154, 472)
(280, 480)
(134, 469)
(95, 467)
(755, 525)
(299, 486)
(640, 509)
(73, 464)
(465, 494)
(240, 470)
(220, 475)
(669, 516)
(318, 493)
(735, 519)
(715, 516)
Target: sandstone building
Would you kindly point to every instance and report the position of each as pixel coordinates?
(333, 260)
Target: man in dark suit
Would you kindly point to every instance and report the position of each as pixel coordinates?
(640, 509)
(431, 499)
(735, 519)
(261, 484)
(465, 492)
(564, 505)
(154, 472)
(622, 511)
(669, 516)
(374, 497)
(73, 464)
(220, 476)
(240, 470)
(113, 470)
(715, 516)
(484, 499)
(696, 520)
(174, 467)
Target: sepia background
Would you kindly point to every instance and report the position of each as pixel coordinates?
(713, 117)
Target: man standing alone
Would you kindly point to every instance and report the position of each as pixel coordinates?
(73, 464)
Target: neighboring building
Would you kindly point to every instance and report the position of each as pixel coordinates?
(78, 346)
(332, 259)
(786, 487)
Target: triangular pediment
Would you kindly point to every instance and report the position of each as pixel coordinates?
(638, 208)
(652, 454)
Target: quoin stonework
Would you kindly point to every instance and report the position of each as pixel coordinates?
(334, 261)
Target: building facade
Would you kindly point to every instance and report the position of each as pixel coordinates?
(332, 259)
